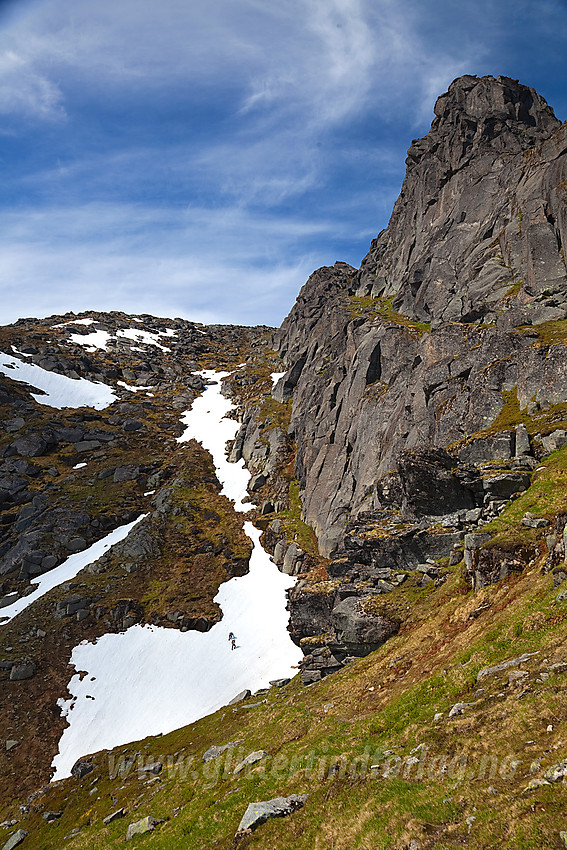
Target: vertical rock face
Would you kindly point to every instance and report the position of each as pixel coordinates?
(420, 346)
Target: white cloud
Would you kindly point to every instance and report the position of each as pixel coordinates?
(208, 265)
(25, 89)
(317, 59)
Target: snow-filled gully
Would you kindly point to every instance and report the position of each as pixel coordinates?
(150, 680)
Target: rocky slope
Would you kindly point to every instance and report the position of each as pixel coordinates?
(409, 467)
(68, 477)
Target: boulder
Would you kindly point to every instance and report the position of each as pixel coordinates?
(292, 559)
(129, 472)
(309, 677)
(250, 759)
(522, 441)
(359, 631)
(31, 446)
(556, 440)
(505, 485)
(12, 425)
(495, 447)
(239, 697)
(119, 813)
(458, 708)
(214, 752)
(258, 813)
(81, 768)
(87, 445)
(69, 605)
(147, 824)
(15, 840)
(22, 670)
(257, 482)
(533, 521)
(9, 599)
(505, 665)
(76, 544)
(279, 551)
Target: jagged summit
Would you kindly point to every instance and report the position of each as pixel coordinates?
(479, 211)
(480, 112)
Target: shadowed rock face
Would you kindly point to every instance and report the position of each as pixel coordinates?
(474, 248)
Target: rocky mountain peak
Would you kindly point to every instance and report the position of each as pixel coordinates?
(495, 112)
(428, 336)
(481, 115)
(474, 217)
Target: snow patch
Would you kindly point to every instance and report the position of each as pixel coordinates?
(145, 337)
(206, 423)
(97, 339)
(59, 390)
(79, 465)
(275, 377)
(150, 679)
(69, 569)
(75, 322)
(131, 388)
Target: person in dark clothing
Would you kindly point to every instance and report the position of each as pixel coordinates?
(233, 643)
(231, 636)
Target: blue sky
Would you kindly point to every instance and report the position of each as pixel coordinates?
(200, 159)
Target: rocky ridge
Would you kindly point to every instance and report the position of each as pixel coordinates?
(376, 367)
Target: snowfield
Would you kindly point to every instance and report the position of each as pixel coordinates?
(59, 390)
(68, 569)
(148, 679)
(206, 423)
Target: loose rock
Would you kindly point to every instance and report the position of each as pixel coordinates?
(258, 813)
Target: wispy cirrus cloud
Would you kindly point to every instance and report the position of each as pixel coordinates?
(25, 89)
(216, 152)
(191, 262)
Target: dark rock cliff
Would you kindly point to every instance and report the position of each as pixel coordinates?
(439, 331)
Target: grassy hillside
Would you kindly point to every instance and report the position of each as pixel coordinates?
(445, 782)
